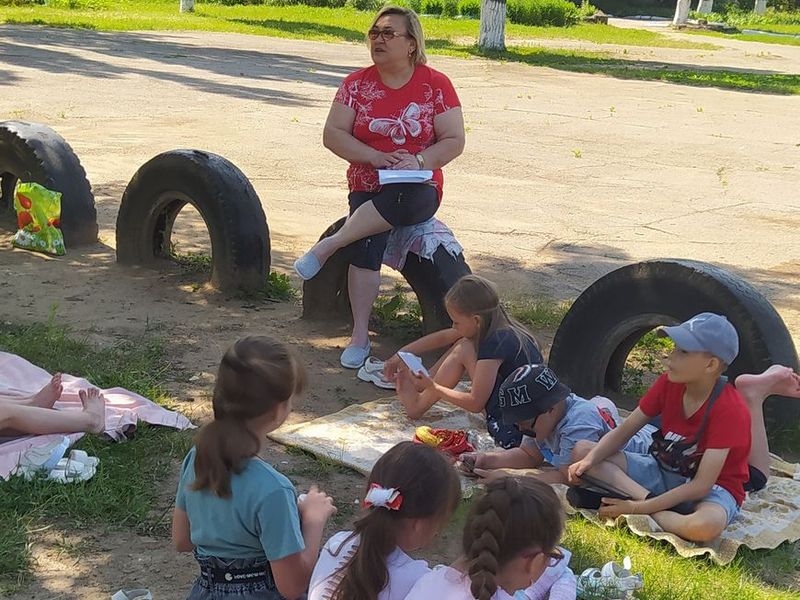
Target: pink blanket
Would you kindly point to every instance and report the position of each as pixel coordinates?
(124, 409)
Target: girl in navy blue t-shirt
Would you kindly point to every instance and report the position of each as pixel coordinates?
(484, 342)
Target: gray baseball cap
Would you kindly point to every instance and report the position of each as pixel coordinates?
(528, 392)
(706, 332)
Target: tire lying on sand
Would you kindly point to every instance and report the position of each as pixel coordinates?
(32, 152)
(605, 322)
(227, 202)
(325, 296)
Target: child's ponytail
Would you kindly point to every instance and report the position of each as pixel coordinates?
(474, 295)
(256, 375)
(512, 516)
(429, 488)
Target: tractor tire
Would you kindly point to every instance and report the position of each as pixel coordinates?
(34, 153)
(230, 207)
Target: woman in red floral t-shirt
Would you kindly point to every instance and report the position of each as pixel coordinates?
(396, 114)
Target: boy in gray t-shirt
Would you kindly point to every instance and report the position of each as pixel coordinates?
(552, 420)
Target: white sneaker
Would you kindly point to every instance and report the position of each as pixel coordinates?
(140, 594)
(372, 371)
(353, 356)
(612, 582)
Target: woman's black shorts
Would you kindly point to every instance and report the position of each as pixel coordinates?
(398, 203)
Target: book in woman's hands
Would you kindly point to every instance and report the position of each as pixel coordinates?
(386, 176)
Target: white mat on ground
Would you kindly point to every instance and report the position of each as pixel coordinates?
(124, 409)
(358, 435)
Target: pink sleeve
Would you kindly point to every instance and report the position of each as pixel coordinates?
(652, 403)
(565, 587)
(556, 583)
(444, 94)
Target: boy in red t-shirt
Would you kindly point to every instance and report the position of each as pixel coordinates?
(706, 471)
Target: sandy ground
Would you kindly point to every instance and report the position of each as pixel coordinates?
(565, 177)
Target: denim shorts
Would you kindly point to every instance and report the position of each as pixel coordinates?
(646, 471)
(208, 588)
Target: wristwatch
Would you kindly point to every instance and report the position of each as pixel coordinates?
(420, 160)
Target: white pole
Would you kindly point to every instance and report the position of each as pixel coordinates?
(681, 12)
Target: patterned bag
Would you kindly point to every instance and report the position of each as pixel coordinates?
(39, 218)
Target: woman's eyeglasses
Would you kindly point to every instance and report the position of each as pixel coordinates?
(384, 34)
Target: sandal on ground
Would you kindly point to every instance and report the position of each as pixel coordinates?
(354, 356)
(372, 371)
(612, 582)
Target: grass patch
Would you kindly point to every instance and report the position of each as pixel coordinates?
(644, 364)
(750, 37)
(396, 315)
(278, 286)
(307, 22)
(539, 314)
(123, 493)
(317, 466)
(192, 262)
(668, 577)
(455, 37)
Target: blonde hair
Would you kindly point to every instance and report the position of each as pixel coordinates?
(414, 28)
(475, 296)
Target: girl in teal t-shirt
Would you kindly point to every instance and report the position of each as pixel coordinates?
(240, 516)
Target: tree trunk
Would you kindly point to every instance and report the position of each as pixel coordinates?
(705, 6)
(760, 7)
(492, 34)
(187, 6)
(681, 12)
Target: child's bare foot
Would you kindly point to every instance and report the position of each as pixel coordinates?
(94, 407)
(777, 380)
(47, 396)
(405, 388)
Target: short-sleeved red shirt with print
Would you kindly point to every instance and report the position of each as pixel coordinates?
(389, 119)
(728, 426)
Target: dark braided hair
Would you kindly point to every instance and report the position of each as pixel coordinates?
(475, 295)
(511, 516)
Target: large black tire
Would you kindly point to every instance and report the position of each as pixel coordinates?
(605, 322)
(325, 296)
(431, 280)
(230, 207)
(32, 152)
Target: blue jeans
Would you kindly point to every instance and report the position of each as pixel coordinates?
(645, 470)
(209, 587)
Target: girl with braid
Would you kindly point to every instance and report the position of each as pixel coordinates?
(239, 516)
(411, 493)
(509, 543)
(484, 343)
